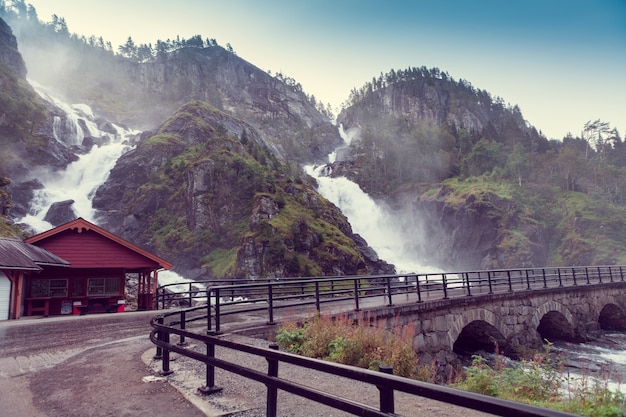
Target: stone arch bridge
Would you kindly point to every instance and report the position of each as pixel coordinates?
(512, 321)
(462, 312)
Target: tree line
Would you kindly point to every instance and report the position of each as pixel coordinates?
(20, 10)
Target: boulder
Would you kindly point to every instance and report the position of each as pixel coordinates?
(60, 212)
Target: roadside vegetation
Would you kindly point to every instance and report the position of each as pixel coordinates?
(540, 380)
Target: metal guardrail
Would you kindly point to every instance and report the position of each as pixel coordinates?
(271, 296)
(384, 381)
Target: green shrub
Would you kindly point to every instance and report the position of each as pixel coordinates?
(369, 344)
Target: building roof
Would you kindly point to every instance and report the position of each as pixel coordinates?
(80, 225)
(17, 254)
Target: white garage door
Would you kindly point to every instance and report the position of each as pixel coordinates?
(5, 296)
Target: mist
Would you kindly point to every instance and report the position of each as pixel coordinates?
(397, 235)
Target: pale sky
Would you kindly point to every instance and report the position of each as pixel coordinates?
(562, 62)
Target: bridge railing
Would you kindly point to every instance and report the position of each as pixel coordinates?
(167, 325)
(352, 292)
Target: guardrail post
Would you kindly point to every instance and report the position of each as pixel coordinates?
(508, 277)
(587, 275)
(466, 279)
(183, 325)
(545, 282)
(560, 279)
(528, 280)
(388, 285)
(209, 387)
(445, 286)
(317, 297)
(159, 349)
(165, 364)
(272, 392)
(574, 276)
(417, 288)
(600, 276)
(489, 282)
(386, 394)
(270, 303)
(217, 311)
(611, 273)
(356, 294)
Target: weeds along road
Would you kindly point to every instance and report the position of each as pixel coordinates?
(83, 366)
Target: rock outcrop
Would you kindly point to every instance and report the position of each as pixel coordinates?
(60, 212)
(205, 191)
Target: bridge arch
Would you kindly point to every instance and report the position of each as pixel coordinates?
(481, 336)
(474, 314)
(547, 307)
(479, 329)
(612, 317)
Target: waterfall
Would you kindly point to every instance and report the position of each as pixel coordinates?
(384, 230)
(81, 178)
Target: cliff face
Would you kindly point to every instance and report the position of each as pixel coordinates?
(280, 112)
(9, 54)
(480, 230)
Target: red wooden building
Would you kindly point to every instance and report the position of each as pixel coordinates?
(100, 263)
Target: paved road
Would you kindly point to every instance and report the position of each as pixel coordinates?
(83, 366)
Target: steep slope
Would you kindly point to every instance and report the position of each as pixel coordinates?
(21, 113)
(204, 191)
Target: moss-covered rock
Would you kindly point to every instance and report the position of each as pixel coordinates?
(204, 192)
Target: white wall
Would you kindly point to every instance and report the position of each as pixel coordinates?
(5, 296)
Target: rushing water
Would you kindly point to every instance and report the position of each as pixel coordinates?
(384, 230)
(602, 360)
(81, 178)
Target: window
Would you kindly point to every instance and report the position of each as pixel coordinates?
(103, 286)
(48, 288)
(58, 288)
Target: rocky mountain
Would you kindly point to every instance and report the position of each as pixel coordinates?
(206, 190)
(142, 93)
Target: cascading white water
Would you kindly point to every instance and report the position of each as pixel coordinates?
(81, 178)
(383, 230)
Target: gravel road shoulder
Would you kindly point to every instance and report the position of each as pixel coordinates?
(241, 397)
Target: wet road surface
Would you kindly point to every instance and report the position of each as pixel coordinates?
(83, 366)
